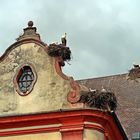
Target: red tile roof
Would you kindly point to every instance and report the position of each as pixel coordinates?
(127, 92)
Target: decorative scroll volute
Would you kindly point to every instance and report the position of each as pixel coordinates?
(74, 96)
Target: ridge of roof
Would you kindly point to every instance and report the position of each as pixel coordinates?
(117, 75)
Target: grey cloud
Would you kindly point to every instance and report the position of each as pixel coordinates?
(103, 35)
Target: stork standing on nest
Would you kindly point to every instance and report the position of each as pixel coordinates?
(136, 65)
(64, 40)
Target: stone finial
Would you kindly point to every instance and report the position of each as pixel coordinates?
(29, 32)
(30, 23)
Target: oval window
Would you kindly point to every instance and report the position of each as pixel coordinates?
(25, 80)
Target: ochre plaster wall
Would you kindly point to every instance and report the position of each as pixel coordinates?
(50, 90)
(41, 136)
(93, 135)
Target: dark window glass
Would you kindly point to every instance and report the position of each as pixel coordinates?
(25, 79)
(136, 136)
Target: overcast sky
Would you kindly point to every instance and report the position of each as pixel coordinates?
(104, 35)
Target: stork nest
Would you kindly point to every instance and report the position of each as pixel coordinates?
(134, 73)
(101, 100)
(55, 50)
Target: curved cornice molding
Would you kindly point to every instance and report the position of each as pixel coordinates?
(24, 41)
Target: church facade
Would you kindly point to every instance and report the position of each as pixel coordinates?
(39, 102)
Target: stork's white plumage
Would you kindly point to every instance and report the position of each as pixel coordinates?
(103, 89)
(64, 40)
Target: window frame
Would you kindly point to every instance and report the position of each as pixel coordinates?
(18, 74)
